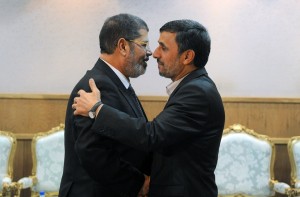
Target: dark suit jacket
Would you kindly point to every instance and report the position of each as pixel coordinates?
(96, 166)
(184, 137)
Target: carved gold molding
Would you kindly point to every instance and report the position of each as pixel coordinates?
(13, 140)
(291, 143)
(38, 136)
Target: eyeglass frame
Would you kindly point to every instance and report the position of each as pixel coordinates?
(138, 43)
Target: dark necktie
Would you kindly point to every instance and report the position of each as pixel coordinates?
(136, 101)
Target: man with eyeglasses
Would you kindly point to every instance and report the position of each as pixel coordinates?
(185, 137)
(97, 166)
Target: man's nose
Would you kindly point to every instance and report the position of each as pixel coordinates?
(148, 51)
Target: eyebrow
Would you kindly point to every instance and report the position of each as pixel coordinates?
(162, 44)
(143, 41)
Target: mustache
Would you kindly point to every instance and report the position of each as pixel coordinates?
(159, 62)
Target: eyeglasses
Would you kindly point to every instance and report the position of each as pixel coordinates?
(142, 44)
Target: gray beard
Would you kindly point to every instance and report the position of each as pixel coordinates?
(137, 70)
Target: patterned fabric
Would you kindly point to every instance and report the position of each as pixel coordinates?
(244, 165)
(281, 187)
(296, 150)
(50, 158)
(5, 148)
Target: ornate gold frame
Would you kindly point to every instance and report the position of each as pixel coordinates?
(291, 143)
(13, 139)
(6, 189)
(35, 138)
(238, 128)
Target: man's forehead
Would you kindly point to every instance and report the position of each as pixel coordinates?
(144, 34)
(167, 37)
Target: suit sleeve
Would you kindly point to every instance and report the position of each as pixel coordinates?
(182, 119)
(99, 157)
(102, 162)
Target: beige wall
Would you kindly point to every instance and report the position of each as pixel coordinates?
(46, 46)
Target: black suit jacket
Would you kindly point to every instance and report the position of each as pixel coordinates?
(184, 137)
(96, 166)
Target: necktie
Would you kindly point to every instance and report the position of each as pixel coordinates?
(133, 95)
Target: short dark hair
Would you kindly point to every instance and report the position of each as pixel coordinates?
(119, 26)
(190, 35)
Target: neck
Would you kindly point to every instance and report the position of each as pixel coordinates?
(114, 61)
(185, 71)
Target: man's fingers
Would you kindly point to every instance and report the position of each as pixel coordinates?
(78, 110)
(86, 100)
(95, 90)
(93, 85)
(80, 92)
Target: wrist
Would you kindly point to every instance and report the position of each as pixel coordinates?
(92, 111)
(98, 109)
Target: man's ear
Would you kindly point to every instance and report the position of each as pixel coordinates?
(122, 46)
(188, 56)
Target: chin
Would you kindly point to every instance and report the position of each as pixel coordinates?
(137, 74)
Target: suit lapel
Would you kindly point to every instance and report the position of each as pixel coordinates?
(127, 95)
(101, 65)
(195, 74)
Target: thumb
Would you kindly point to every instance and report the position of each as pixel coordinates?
(93, 85)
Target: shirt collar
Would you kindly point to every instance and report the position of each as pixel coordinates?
(123, 79)
(173, 85)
